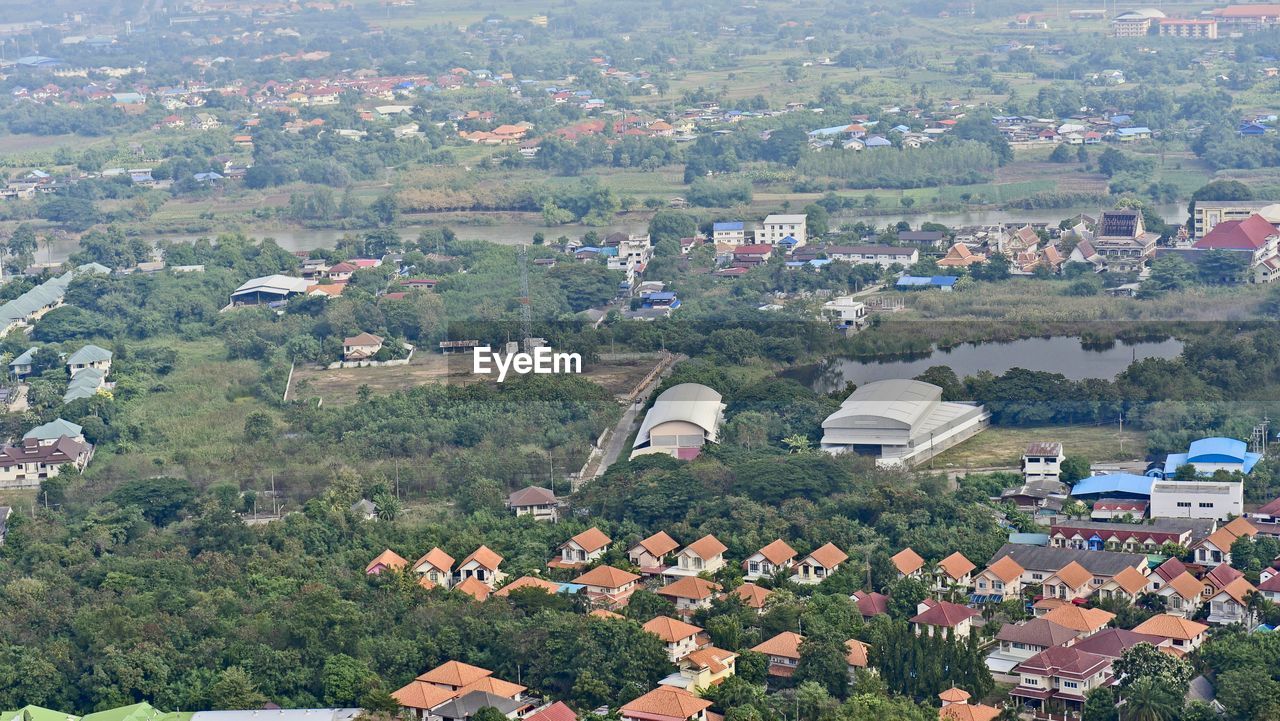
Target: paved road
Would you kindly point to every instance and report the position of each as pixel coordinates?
(629, 421)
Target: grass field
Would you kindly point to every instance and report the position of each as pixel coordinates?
(1002, 447)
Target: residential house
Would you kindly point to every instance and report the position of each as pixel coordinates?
(542, 584)
(818, 565)
(1129, 537)
(388, 560)
(922, 238)
(435, 568)
(666, 704)
(1215, 548)
(1042, 461)
(425, 697)
(1165, 572)
(1040, 562)
(776, 228)
(1062, 673)
(1268, 586)
(340, 272)
(361, 347)
(950, 620)
(845, 313)
(608, 585)
(473, 587)
(467, 705)
(909, 563)
(680, 638)
(729, 233)
(753, 596)
(1181, 634)
(703, 669)
(954, 571)
(90, 356)
(1231, 604)
(777, 557)
(1084, 621)
(870, 603)
(882, 256)
(1019, 642)
(535, 501)
(705, 555)
(21, 366)
(1113, 509)
(49, 433)
(650, 553)
(956, 707)
(690, 593)
(582, 549)
(1001, 579)
(557, 711)
(482, 565)
(1069, 583)
(34, 460)
(783, 652)
(1254, 240)
(1113, 642)
(1183, 595)
(1128, 585)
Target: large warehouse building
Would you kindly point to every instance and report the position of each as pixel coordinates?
(682, 419)
(901, 422)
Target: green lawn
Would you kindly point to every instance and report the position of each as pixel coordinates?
(1002, 447)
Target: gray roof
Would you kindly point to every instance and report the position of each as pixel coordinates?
(1199, 527)
(531, 496)
(899, 401)
(84, 384)
(1036, 632)
(55, 429)
(25, 358)
(1038, 558)
(467, 706)
(89, 354)
(690, 402)
(277, 284)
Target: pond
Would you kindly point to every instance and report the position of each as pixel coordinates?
(1063, 355)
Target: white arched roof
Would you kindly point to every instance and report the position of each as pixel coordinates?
(689, 402)
(898, 402)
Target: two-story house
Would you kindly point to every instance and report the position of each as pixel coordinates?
(999, 580)
(705, 555)
(483, 565)
(1069, 583)
(819, 565)
(435, 568)
(950, 620)
(954, 571)
(680, 638)
(777, 557)
(1042, 461)
(753, 596)
(581, 549)
(908, 563)
(1019, 642)
(1128, 585)
(703, 669)
(1062, 673)
(1231, 604)
(1182, 594)
(1176, 632)
(665, 703)
(608, 585)
(690, 593)
(650, 554)
(783, 652)
(535, 501)
(1084, 621)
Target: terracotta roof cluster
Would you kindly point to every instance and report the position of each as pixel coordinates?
(659, 544)
(690, 587)
(778, 552)
(671, 630)
(828, 556)
(706, 548)
(907, 561)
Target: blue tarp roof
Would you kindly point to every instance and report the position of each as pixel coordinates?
(941, 281)
(1114, 483)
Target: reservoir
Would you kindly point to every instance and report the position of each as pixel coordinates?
(1062, 355)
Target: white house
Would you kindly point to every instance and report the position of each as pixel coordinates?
(705, 555)
(768, 561)
(878, 255)
(845, 312)
(730, 233)
(582, 549)
(819, 565)
(90, 356)
(1042, 461)
(776, 227)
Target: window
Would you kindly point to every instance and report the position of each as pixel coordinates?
(1206, 505)
(1184, 504)
(1070, 684)
(1037, 576)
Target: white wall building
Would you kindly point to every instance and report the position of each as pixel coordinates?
(1196, 499)
(902, 422)
(1042, 461)
(776, 227)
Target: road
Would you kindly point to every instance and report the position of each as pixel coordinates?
(626, 425)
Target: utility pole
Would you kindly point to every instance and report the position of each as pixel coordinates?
(526, 310)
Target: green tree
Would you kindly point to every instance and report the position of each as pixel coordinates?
(823, 661)
(161, 500)
(817, 220)
(670, 225)
(1148, 700)
(1144, 661)
(1061, 154)
(1075, 468)
(1100, 705)
(234, 689)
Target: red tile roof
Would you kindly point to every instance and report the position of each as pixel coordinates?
(670, 629)
(944, 613)
(606, 577)
(778, 552)
(707, 547)
(1248, 234)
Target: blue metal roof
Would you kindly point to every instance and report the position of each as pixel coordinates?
(660, 295)
(1114, 483)
(1140, 130)
(727, 226)
(1217, 450)
(942, 281)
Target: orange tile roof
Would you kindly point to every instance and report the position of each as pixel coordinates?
(667, 701)
(954, 695)
(670, 629)
(1238, 590)
(711, 658)
(828, 556)
(528, 582)
(606, 577)
(857, 653)
(436, 558)
(1168, 626)
(1130, 580)
(455, 673)
(591, 540)
(389, 559)
(752, 595)
(1073, 574)
(1185, 585)
(601, 613)
(1241, 526)
(778, 552)
(690, 587)
(426, 583)
(956, 565)
(1006, 569)
(784, 645)
(495, 686)
(485, 557)
(707, 547)
(659, 544)
(907, 561)
(329, 289)
(1083, 620)
(1221, 539)
(968, 712)
(474, 588)
(417, 694)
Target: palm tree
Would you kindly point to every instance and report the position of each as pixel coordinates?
(1147, 700)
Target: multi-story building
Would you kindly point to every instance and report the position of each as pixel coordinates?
(1198, 29)
(777, 227)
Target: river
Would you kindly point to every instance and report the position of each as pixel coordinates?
(1062, 355)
